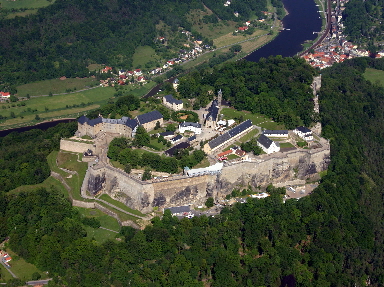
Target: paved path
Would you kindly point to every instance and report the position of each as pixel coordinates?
(39, 282)
(108, 229)
(13, 274)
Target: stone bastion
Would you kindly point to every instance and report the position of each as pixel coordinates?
(181, 190)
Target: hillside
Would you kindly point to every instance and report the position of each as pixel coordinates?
(63, 38)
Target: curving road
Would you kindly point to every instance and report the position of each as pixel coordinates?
(326, 30)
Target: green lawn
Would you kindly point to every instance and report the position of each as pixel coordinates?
(5, 274)
(257, 119)
(54, 107)
(21, 268)
(123, 216)
(106, 221)
(374, 76)
(21, 13)
(55, 86)
(32, 4)
(286, 145)
(232, 156)
(119, 204)
(144, 54)
(203, 163)
(49, 184)
(157, 145)
(249, 135)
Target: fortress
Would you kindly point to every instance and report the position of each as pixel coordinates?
(182, 190)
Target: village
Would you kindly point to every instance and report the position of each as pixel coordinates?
(221, 139)
(335, 48)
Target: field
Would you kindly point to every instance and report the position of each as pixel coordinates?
(374, 76)
(21, 268)
(31, 4)
(143, 55)
(99, 234)
(5, 275)
(55, 86)
(286, 145)
(230, 39)
(54, 107)
(257, 119)
(49, 184)
(119, 204)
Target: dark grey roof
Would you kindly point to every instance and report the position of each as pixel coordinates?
(82, 120)
(230, 134)
(213, 111)
(165, 134)
(304, 130)
(149, 117)
(190, 124)
(176, 138)
(276, 132)
(95, 121)
(192, 138)
(131, 123)
(182, 145)
(179, 209)
(172, 100)
(265, 141)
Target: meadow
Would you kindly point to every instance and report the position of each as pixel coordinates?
(29, 4)
(374, 76)
(55, 86)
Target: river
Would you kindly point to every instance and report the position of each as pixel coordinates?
(302, 20)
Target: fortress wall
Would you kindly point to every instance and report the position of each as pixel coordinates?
(73, 146)
(143, 196)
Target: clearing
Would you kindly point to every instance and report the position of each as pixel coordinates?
(143, 55)
(375, 76)
(30, 4)
(55, 86)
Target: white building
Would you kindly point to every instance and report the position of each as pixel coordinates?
(188, 126)
(304, 133)
(212, 169)
(276, 133)
(172, 103)
(268, 145)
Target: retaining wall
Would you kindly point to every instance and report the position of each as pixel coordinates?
(73, 146)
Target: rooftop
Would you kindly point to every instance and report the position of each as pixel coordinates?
(170, 99)
(149, 117)
(230, 134)
(265, 141)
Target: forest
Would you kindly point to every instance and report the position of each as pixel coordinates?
(364, 22)
(65, 37)
(277, 87)
(333, 237)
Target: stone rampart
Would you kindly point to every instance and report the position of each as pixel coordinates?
(75, 146)
(266, 169)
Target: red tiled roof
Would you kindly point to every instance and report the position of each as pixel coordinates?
(224, 153)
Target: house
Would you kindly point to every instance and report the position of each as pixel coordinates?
(211, 170)
(5, 95)
(268, 145)
(276, 133)
(175, 84)
(172, 103)
(121, 72)
(170, 63)
(192, 138)
(304, 132)
(106, 69)
(227, 137)
(172, 150)
(149, 120)
(130, 73)
(188, 126)
(225, 153)
(137, 72)
(167, 135)
(140, 79)
(176, 139)
(124, 126)
(180, 210)
(213, 114)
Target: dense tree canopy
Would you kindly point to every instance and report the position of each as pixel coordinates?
(333, 237)
(277, 87)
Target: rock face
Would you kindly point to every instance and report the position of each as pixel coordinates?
(182, 190)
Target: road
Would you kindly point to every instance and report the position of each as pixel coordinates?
(39, 282)
(326, 30)
(13, 274)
